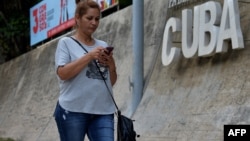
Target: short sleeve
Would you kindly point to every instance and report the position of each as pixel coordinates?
(62, 55)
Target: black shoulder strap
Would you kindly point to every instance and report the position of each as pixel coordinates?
(79, 44)
(99, 72)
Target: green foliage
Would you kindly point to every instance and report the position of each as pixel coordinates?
(14, 27)
(6, 139)
(125, 3)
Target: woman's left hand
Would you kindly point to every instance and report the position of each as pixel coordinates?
(107, 60)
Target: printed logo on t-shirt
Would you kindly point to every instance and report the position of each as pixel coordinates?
(93, 72)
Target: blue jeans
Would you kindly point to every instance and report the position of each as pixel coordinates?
(74, 126)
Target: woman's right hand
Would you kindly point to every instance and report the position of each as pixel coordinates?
(96, 54)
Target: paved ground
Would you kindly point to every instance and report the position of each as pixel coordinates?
(190, 100)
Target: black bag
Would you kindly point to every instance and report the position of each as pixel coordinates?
(125, 128)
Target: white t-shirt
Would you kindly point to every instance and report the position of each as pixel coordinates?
(86, 92)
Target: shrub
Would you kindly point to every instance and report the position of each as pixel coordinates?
(6, 139)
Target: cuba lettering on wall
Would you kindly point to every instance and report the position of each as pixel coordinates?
(205, 31)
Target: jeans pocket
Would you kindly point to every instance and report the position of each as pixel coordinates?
(58, 110)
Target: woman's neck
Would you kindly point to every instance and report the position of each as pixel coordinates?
(88, 40)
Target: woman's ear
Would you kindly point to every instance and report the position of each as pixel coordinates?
(77, 19)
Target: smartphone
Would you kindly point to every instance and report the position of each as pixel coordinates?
(109, 49)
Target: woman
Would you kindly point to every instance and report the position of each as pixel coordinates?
(85, 106)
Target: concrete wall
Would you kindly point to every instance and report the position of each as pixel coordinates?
(190, 100)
